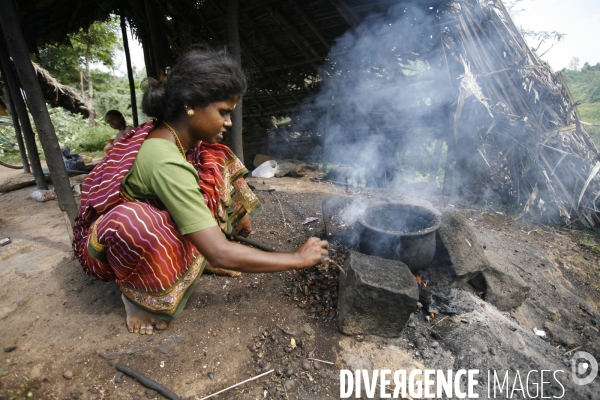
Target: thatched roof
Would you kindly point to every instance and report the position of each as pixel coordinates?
(283, 42)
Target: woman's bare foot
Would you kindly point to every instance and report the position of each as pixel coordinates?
(221, 271)
(141, 321)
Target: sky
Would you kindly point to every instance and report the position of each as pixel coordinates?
(579, 20)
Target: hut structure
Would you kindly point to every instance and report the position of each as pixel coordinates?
(382, 86)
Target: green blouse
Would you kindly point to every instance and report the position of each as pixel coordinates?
(160, 171)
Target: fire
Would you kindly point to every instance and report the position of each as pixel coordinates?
(419, 280)
(432, 314)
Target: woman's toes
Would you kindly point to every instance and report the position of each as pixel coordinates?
(161, 325)
(143, 330)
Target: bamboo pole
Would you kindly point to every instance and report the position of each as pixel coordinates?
(237, 144)
(129, 69)
(37, 105)
(14, 86)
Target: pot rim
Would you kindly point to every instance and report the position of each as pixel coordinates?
(434, 227)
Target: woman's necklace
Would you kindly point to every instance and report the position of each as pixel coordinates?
(176, 138)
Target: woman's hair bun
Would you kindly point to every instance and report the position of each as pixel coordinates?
(153, 102)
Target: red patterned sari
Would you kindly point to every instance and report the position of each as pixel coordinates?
(135, 242)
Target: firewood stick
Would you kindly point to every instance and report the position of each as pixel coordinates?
(149, 383)
(237, 384)
(252, 243)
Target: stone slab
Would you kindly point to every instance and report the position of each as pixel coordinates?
(487, 271)
(465, 251)
(376, 296)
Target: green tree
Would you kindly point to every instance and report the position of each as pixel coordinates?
(72, 63)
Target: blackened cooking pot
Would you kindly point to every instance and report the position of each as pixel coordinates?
(399, 231)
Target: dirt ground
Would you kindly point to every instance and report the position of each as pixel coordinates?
(58, 323)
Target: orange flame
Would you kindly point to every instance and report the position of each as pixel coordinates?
(432, 315)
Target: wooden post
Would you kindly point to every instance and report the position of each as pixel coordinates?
(129, 69)
(156, 52)
(14, 87)
(233, 8)
(17, 127)
(37, 106)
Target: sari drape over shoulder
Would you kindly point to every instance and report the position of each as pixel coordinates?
(135, 242)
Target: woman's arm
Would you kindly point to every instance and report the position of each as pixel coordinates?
(222, 253)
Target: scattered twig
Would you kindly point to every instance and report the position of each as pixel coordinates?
(285, 224)
(437, 322)
(316, 359)
(237, 384)
(149, 383)
(236, 306)
(572, 350)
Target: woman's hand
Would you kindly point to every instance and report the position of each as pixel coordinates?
(245, 224)
(312, 252)
(222, 253)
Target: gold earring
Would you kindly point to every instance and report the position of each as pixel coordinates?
(190, 112)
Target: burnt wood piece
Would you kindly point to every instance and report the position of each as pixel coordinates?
(149, 383)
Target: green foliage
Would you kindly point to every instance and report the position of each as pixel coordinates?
(112, 93)
(64, 62)
(74, 131)
(99, 44)
(584, 85)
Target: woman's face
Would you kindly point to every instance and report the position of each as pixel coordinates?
(209, 123)
(114, 122)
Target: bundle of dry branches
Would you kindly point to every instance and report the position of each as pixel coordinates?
(532, 141)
